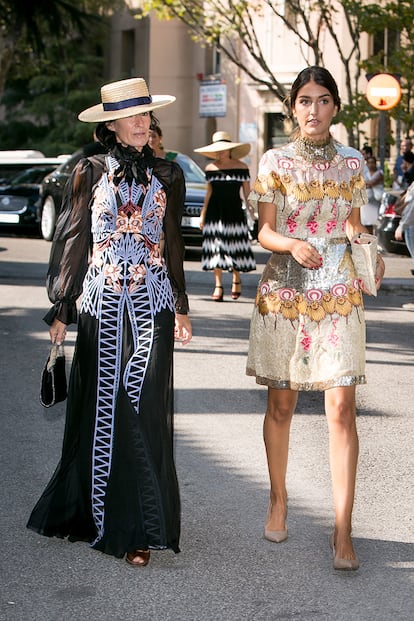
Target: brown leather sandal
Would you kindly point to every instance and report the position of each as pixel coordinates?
(139, 558)
(235, 294)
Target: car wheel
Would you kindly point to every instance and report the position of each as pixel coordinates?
(48, 221)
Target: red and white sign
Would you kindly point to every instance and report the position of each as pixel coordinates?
(383, 91)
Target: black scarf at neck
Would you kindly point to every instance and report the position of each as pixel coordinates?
(133, 164)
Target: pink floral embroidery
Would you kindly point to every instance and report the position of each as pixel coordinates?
(314, 295)
(291, 224)
(333, 339)
(339, 290)
(312, 227)
(330, 225)
(353, 163)
(322, 165)
(306, 342)
(285, 163)
(286, 294)
(264, 288)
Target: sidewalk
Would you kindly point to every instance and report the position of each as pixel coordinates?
(398, 275)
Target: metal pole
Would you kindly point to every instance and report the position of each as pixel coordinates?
(382, 123)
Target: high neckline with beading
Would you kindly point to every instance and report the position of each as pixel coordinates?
(312, 150)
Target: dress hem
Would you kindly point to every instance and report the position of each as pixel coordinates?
(343, 380)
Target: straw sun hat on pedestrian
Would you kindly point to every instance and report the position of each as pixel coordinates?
(122, 99)
(221, 141)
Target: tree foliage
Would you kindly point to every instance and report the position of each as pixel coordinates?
(51, 66)
(224, 23)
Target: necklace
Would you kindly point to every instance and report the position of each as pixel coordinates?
(312, 151)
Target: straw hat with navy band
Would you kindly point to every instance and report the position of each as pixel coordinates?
(221, 141)
(122, 99)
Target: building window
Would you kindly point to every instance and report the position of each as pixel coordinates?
(128, 53)
(275, 134)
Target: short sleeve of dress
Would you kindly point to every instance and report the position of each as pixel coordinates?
(267, 187)
(359, 189)
(70, 247)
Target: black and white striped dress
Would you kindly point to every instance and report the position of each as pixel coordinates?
(226, 242)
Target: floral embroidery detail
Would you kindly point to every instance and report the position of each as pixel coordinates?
(314, 303)
(353, 163)
(285, 163)
(113, 275)
(322, 166)
(312, 227)
(137, 276)
(333, 337)
(306, 341)
(330, 226)
(264, 288)
(286, 293)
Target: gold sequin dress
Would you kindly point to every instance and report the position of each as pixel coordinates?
(308, 328)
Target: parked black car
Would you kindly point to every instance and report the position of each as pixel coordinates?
(20, 192)
(387, 224)
(53, 185)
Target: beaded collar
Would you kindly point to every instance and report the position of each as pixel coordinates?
(312, 151)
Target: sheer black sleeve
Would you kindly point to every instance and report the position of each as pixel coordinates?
(70, 247)
(172, 177)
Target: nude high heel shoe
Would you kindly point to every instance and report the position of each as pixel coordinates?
(276, 536)
(344, 564)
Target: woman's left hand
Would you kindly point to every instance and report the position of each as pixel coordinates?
(379, 272)
(183, 331)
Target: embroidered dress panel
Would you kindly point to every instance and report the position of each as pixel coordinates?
(127, 271)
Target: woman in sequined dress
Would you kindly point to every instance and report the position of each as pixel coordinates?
(118, 242)
(307, 328)
(226, 242)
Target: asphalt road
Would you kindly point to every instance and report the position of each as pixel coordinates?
(225, 571)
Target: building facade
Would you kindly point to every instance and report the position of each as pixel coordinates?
(165, 55)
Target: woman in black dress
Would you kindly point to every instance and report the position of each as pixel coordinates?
(118, 243)
(226, 242)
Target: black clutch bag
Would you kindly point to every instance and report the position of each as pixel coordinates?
(53, 385)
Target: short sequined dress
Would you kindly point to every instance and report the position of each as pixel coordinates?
(226, 241)
(308, 327)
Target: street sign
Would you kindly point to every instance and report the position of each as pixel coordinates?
(383, 91)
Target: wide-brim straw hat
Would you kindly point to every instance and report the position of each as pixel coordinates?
(122, 99)
(221, 141)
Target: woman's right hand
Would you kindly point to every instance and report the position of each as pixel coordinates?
(306, 254)
(57, 332)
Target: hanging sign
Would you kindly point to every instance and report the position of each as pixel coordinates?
(383, 91)
(213, 98)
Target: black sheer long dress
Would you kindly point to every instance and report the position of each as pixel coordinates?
(118, 243)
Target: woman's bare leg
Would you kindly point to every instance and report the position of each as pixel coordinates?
(218, 277)
(340, 410)
(280, 408)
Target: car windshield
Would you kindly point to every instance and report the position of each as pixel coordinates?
(31, 175)
(192, 171)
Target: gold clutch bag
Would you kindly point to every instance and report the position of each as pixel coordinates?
(364, 249)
